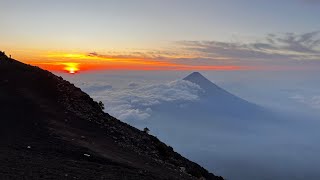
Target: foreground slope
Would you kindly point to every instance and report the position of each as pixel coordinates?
(50, 129)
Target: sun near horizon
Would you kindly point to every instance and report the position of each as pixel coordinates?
(77, 62)
(71, 68)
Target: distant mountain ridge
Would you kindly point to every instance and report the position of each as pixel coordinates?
(209, 87)
(50, 129)
(203, 82)
(219, 100)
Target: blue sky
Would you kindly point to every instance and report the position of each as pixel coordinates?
(141, 23)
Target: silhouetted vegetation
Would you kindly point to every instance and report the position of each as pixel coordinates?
(3, 54)
(146, 130)
(101, 105)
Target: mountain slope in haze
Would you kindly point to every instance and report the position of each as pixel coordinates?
(214, 104)
(205, 84)
(50, 129)
(221, 102)
(216, 113)
(210, 88)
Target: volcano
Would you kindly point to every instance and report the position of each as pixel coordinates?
(217, 101)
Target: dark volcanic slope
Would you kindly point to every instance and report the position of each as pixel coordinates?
(50, 129)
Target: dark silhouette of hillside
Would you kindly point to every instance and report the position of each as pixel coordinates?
(50, 129)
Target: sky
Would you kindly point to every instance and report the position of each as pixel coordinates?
(240, 35)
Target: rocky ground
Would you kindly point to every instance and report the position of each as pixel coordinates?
(50, 129)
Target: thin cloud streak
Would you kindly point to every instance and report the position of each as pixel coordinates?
(284, 46)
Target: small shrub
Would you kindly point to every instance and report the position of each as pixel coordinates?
(101, 105)
(146, 130)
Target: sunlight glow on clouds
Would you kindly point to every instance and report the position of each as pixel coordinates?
(288, 51)
(95, 61)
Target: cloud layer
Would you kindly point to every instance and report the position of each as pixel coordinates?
(313, 101)
(136, 101)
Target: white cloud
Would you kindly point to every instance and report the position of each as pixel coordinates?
(93, 86)
(313, 101)
(136, 102)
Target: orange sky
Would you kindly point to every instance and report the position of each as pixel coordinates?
(77, 62)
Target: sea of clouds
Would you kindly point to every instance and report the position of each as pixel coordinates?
(135, 101)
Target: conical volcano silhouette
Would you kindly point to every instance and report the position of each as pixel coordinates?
(209, 87)
(200, 80)
(219, 100)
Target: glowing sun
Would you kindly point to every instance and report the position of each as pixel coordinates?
(71, 68)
